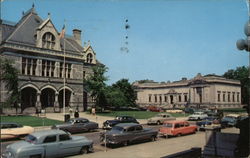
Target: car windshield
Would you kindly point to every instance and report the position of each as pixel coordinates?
(168, 125)
(117, 128)
(31, 139)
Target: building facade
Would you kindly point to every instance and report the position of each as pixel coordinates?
(201, 91)
(43, 55)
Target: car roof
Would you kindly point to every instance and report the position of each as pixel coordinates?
(78, 119)
(126, 125)
(5, 123)
(47, 132)
(175, 121)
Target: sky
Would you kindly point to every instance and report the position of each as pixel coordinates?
(166, 39)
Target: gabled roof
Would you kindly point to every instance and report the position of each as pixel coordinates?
(25, 29)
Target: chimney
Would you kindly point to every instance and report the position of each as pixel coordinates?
(77, 36)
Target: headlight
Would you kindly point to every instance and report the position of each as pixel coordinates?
(7, 154)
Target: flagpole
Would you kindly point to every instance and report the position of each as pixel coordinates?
(64, 73)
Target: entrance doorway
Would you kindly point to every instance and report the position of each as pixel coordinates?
(47, 97)
(28, 97)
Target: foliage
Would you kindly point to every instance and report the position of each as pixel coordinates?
(146, 81)
(241, 74)
(10, 77)
(128, 92)
(30, 120)
(95, 84)
(115, 97)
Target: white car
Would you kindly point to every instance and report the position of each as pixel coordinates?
(14, 130)
(197, 116)
(160, 118)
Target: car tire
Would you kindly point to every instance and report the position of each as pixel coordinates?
(158, 122)
(84, 150)
(36, 156)
(153, 138)
(179, 134)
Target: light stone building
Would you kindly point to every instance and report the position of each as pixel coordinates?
(201, 91)
(39, 50)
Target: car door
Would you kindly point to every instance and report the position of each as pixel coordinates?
(51, 146)
(140, 134)
(66, 145)
(79, 126)
(130, 134)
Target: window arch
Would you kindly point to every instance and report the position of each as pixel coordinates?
(89, 58)
(48, 40)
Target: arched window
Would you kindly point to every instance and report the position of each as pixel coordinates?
(89, 58)
(48, 40)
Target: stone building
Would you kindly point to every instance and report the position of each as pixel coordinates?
(39, 50)
(201, 91)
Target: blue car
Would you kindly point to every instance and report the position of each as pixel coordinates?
(205, 122)
(49, 144)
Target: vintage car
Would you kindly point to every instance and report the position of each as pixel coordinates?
(176, 128)
(154, 109)
(174, 110)
(77, 125)
(208, 121)
(48, 144)
(126, 133)
(160, 118)
(13, 130)
(197, 116)
(229, 121)
(119, 119)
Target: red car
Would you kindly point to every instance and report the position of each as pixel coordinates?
(154, 109)
(176, 128)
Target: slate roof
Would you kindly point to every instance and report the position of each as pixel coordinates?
(24, 32)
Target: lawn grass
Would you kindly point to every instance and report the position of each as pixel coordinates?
(135, 114)
(234, 110)
(30, 120)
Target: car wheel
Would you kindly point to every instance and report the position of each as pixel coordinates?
(158, 122)
(36, 156)
(153, 138)
(126, 143)
(178, 135)
(84, 150)
(199, 118)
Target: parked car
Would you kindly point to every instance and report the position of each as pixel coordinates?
(77, 125)
(126, 133)
(160, 118)
(154, 109)
(189, 110)
(197, 116)
(176, 128)
(119, 119)
(210, 120)
(229, 121)
(11, 130)
(49, 143)
(174, 110)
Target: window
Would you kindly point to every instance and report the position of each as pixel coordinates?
(218, 97)
(155, 98)
(238, 97)
(138, 128)
(34, 66)
(179, 98)
(228, 97)
(149, 98)
(185, 97)
(83, 74)
(48, 40)
(165, 98)
(224, 97)
(24, 64)
(64, 137)
(50, 139)
(160, 99)
(29, 67)
(89, 58)
(131, 129)
(61, 70)
(177, 125)
(233, 97)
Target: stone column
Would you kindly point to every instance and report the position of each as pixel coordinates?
(38, 100)
(56, 103)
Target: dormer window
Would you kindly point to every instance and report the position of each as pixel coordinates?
(48, 41)
(89, 58)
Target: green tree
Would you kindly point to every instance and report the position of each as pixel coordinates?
(115, 97)
(241, 74)
(95, 85)
(128, 91)
(9, 75)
